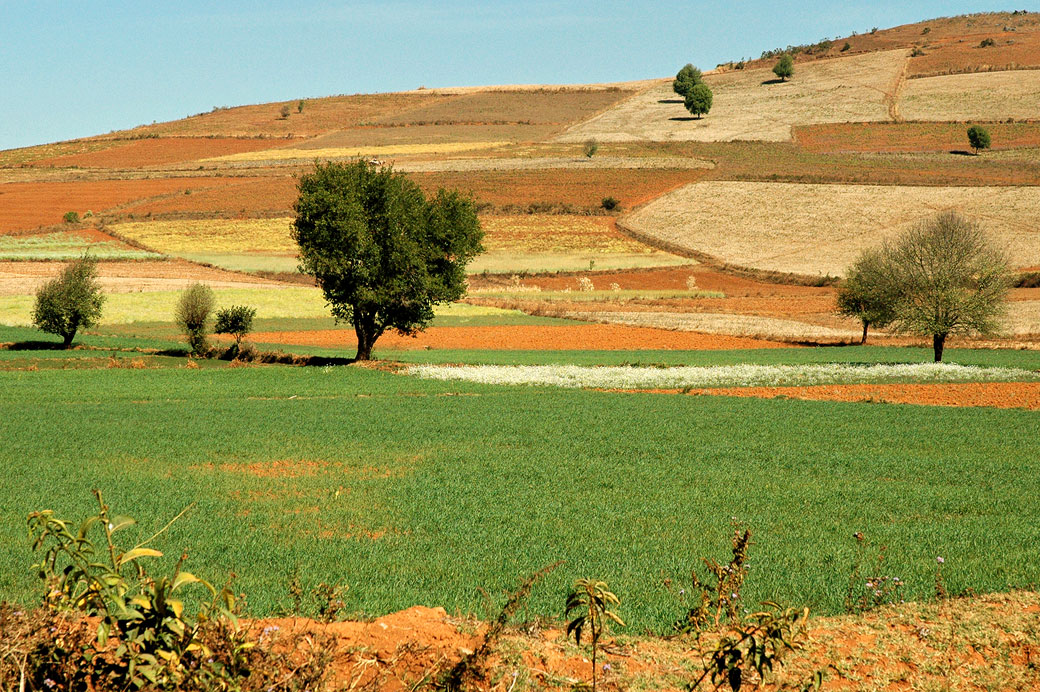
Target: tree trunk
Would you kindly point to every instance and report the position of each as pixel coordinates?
(864, 339)
(367, 333)
(67, 343)
(938, 341)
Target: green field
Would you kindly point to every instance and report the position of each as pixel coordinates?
(415, 491)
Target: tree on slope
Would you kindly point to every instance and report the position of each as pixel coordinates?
(381, 252)
(784, 68)
(950, 279)
(70, 301)
(698, 101)
(867, 293)
(687, 78)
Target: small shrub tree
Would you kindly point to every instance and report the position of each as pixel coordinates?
(950, 280)
(70, 301)
(987, 42)
(236, 321)
(284, 112)
(784, 68)
(978, 138)
(192, 314)
(610, 203)
(299, 106)
(70, 217)
(687, 78)
(867, 294)
(698, 101)
(590, 148)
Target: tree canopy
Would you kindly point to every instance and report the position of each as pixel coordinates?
(698, 100)
(687, 78)
(381, 252)
(978, 138)
(868, 294)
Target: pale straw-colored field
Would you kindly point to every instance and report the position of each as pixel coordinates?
(749, 106)
(982, 96)
(820, 229)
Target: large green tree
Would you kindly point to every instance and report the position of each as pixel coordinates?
(784, 67)
(868, 292)
(381, 251)
(70, 301)
(950, 279)
(687, 78)
(698, 101)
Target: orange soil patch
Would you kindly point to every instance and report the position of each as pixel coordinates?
(25, 206)
(910, 137)
(579, 188)
(535, 338)
(155, 152)
(231, 196)
(988, 394)
(282, 468)
(1012, 50)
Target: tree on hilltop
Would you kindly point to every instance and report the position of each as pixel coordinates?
(381, 251)
(784, 68)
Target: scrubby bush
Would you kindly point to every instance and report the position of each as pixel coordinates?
(784, 68)
(916, 52)
(846, 47)
(237, 321)
(70, 301)
(299, 107)
(284, 113)
(590, 148)
(192, 314)
(978, 138)
(610, 203)
(987, 42)
(70, 217)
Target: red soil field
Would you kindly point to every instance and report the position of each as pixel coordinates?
(538, 338)
(910, 137)
(229, 196)
(157, 152)
(1012, 50)
(579, 188)
(988, 394)
(25, 206)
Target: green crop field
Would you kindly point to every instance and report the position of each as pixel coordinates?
(345, 474)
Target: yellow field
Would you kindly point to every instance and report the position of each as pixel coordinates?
(982, 96)
(819, 229)
(353, 152)
(748, 106)
(262, 236)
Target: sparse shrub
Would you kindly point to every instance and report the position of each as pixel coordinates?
(610, 203)
(236, 321)
(699, 99)
(873, 31)
(691, 283)
(299, 106)
(591, 603)
(192, 313)
(712, 603)
(70, 301)
(615, 287)
(590, 148)
(868, 587)
(926, 30)
(70, 217)
(585, 284)
(284, 113)
(978, 138)
(784, 67)
(847, 47)
(916, 52)
(987, 42)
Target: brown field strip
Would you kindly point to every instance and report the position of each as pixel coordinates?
(232, 196)
(26, 206)
(157, 152)
(534, 338)
(911, 137)
(985, 394)
(1012, 50)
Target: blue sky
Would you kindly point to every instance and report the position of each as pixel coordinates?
(74, 68)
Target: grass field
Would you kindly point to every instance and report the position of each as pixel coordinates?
(984, 96)
(819, 229)
(66, 246)
(358, 476)
(748, 105)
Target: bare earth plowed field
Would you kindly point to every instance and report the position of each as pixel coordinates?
(30, 205)
(157, 152)
(230, 196)
(539, 338)
(752, 105)
(983, 96)
(1012, 50)
(990, 394)
(819, 229)
(890, 137)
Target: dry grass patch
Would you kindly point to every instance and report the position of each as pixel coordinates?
(748, 106)
(267, 236)
(910, 137)
(819, 229)
(557, 233)
(749, 326)
(983, 96)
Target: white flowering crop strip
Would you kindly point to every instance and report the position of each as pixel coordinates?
(613, 377)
